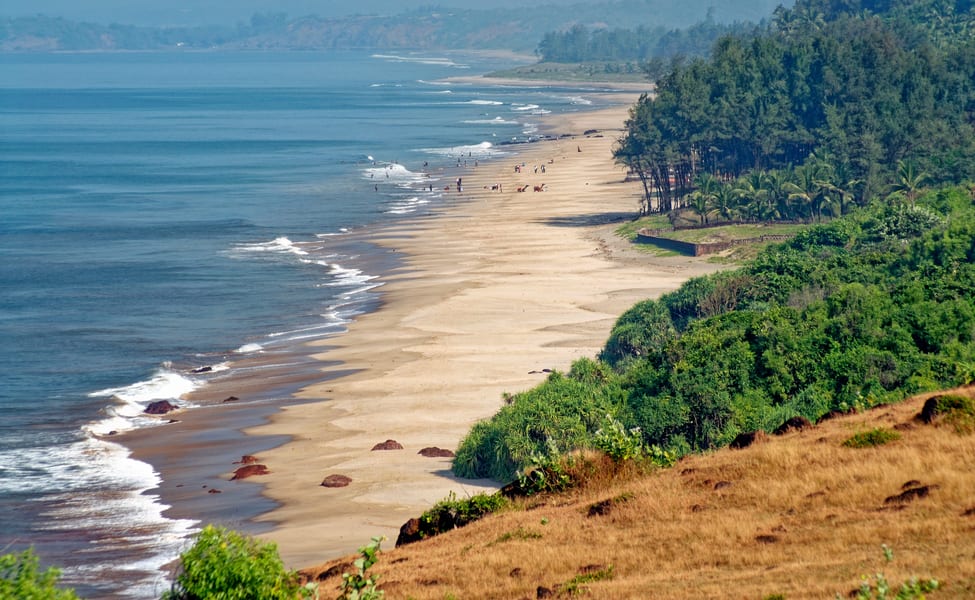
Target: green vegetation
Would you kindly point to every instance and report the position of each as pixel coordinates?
(227, 565)
(577, 583)
(634, 47)
(957, 411)
(518, 534)
(22, 578)
(839, 114)
(830, 106)
(880, 589)
(361, 585)
(863, 310)
(874, 437)
(452, 512)
(597, 71)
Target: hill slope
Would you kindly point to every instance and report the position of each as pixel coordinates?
(798, 515)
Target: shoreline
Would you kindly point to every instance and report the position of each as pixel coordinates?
(494, 288)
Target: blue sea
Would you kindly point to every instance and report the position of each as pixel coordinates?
(169, 219)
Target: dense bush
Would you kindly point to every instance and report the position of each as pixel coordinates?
(560, 414)
(857, 312)
(227, 565)
(22, 579)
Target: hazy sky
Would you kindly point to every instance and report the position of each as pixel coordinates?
(225, 12)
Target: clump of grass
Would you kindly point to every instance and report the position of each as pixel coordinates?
(874, 437)
(452, 512)
(577, 583)
(958, 411)
(518, 534)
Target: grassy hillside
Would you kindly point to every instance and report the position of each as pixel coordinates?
(799, 515)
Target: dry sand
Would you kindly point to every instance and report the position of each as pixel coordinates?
(497, 286)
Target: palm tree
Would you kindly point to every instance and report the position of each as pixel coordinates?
(702, 198)
(753, 196)
(909, 180)
(726, 202)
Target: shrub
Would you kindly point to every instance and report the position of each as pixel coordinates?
(881, 589)
(452, 512)
(21, 578)
(227, 565)
(957, 411)
(618, 442)
(875, 437)
(359, 585)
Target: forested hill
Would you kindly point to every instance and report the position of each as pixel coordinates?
(429, 28)
(830, 106)
(861, 124)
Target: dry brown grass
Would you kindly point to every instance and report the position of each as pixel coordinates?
(799, 515)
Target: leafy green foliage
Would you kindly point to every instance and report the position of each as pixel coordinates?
(957, 411)
(830, 104)
(452, 512)
(557, 416)
(842, 318)
(576, 585)
(878, 588)
(361, 585)
(227, 565)
(22, 578)
(871, 438)
(617, 442)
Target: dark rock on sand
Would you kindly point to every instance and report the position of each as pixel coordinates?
(202, 370)
(336, 481)
(247, 459)
(435, 452)
(214, 491)
(250, 471)
(160, 407)
(231, 399)
(388, 445)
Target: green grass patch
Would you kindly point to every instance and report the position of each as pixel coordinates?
(629, 229)
(874, 437)
(727, 233)
(588, 71)
(577, 583)
(957, 411)
(518, 534)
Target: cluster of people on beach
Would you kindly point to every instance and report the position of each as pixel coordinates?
(459, 183)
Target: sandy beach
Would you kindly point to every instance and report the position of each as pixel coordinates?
(496, 287)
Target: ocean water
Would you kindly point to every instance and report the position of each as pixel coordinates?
(164, 212)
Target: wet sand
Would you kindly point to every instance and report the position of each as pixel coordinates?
(493, 288)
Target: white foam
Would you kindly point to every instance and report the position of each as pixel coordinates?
(494, 121)
(347, 276)
(482, 150)
(94, 484)
(423, 60)
(131, 401)
(394, 172)
(407, 206)
(524, 107)
(249, 349)
(280, 245)
(485, 102)
(335, 323)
